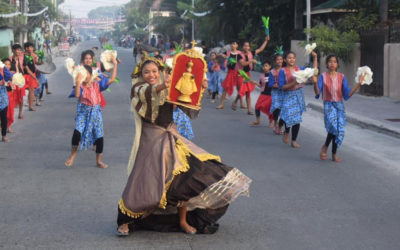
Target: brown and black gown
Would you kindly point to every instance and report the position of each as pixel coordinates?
(165, 169)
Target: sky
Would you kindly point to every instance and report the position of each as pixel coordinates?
(80, 8)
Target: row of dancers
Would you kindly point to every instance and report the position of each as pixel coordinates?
(282, 97)
(22, 61)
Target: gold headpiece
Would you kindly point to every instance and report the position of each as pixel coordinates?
(145, 58)
(190, 64)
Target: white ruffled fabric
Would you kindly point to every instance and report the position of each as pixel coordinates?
(169, 62)
(303, 75)
(69, 64)
(1, 65)
(368, 75)
(106, 58)
(75, 70)
(18, 80)
(200, 50)
(310, 47)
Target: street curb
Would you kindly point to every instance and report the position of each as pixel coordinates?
(361, 121)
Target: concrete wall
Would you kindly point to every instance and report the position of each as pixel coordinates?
(391, 72)
(6, 39)
(348, 69)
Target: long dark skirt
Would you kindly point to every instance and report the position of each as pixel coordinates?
(185, 186)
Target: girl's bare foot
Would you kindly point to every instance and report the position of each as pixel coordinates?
(123, 229)
(48, 93)
(10, 131)
(70, 161)
(322, 155)
(187, 228)
(5, 139)
(32, 109)
(20, 117)
(286, 138)
(213, 101)
(271, 124)
(99, 161)
(295, 144)
(256, 123)
(243, 107)
(102, 165)
(336, 159)
(220, 106)
(278, 131)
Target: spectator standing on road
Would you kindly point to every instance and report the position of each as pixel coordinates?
(167, 45)
(137, 50)
(204, 47)
(153, 41)
(334, 88)
(48, 46)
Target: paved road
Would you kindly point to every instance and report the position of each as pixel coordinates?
(297, 202)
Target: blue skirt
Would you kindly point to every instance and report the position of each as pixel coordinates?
(277, 98)
(335, 120)
(215, 83)
(3, 97)
(89, 122)
(293, 107)
(183, 124)
(42, 81)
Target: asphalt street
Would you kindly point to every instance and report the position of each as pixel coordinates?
(297, 201)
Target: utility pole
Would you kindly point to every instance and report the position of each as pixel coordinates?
(383, 11)
(308, 11)
(192, 21)
(70, 23)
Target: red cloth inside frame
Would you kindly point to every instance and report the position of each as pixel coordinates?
(180, 67)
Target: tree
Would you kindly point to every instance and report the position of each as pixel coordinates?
(105, 12)
(332, 41)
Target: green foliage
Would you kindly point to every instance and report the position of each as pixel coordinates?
(240, 20)
(136, 20)
(169, 26)
(360, 21)
(38, 5)
(5, 8)
(4, 52)
(107, 46)
(332, 41)
(104, 12)
(395, 10)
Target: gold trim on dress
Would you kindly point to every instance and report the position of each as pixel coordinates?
(127, 211)
(183, 152)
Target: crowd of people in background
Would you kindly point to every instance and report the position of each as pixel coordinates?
(281, 96)
(22, 63)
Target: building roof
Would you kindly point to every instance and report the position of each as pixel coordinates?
(330, 6)
(336, 6)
